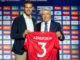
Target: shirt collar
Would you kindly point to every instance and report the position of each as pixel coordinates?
(47, 22)
(26, 16)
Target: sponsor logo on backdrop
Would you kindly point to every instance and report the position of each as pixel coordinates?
(0, 36)
(66, 12)
(0, 27)
(13, 17)
(74, 37)
(6, 27)
(66, 22)
(74, 27)
(74, 8)
(0, 7)
(66, 7)
(57, 17)
(75, 51)
(74, 22)
(57, 7)
(8, 47)
(67, 36)
(60, 56)
(15, 12)
(74, 17)
(15, 8)
(0, 12)
(74, 12)
(0, 47)
(6, 17)
(6, 56)
(66, 46)
(66, 51)
(75, 46)
(21, 12)
(66, 32)
(60, 51)
(66, 57)
(6, 36)
(66, 27)
(0, 41)
(0, 17)
(0, 22)
(0, 51)
(13, 56)
(21, 8)
(7, 52)
(0, 56)
(75, 42)
(6, 42)
(57, 12)
(6, 7)
(75, 56)
(59, 22)
(6, 22)
(66, 42)
(66, 17)
(74, 32)
(6, 12)
(6, 32)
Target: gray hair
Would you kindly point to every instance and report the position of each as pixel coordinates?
(45, 9)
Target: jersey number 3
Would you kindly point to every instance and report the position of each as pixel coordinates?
(43, 48)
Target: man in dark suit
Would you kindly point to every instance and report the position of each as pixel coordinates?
(48, 25)
(21, 26)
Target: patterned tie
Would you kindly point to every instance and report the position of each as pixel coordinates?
(46, 27)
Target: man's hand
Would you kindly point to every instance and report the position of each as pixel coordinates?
(58, 33)
(25, 33)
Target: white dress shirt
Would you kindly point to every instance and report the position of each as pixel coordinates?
(29, 23)
(43, 25)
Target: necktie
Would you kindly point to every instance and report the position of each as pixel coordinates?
(46, 27)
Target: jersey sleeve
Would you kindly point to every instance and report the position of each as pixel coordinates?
(26, 43)
(56, 44)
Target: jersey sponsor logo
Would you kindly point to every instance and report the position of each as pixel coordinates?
(74, 12)
(6, 12)
(6, 7)
(74, 17)
(66, 12)
(15, 12)
(57, 12)
(57, 17)
(66, 8)
(57, 7)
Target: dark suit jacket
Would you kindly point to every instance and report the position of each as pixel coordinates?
(18, 27)
(54, 27)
